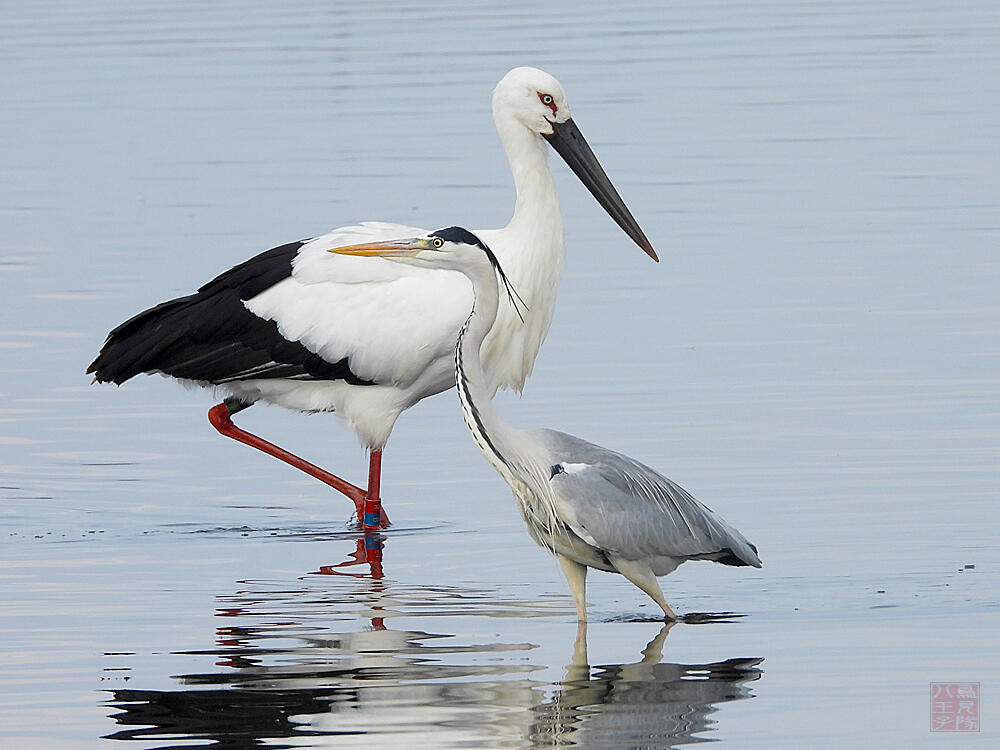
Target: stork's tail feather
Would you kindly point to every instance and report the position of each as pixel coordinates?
(204, 336)
(137, 345)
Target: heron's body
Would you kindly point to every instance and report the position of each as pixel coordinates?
(592, 507)
(307, 330)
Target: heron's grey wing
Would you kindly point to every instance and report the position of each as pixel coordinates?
(620, 505)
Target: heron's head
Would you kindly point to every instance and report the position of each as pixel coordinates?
(449, 249)
(533, 97)
(452, 249)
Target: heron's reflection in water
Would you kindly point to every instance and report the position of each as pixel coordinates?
(293, 669)
(648, 703)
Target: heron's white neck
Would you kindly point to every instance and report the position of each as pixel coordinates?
(512, 452)
(495, 437)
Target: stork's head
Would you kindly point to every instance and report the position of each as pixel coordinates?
(532, 99)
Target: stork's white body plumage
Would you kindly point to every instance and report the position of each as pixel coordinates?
(302, 328)
(395, 323)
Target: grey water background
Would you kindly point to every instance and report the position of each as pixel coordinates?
(816, 357)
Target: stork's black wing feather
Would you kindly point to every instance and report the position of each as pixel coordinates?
(210, 335)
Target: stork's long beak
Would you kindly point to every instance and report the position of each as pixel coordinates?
(391, 248)
(570, 144)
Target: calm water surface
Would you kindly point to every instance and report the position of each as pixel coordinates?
(816, 356)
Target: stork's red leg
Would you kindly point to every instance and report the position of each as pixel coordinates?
(367, 504)
(373, 517)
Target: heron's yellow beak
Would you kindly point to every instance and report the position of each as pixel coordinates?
(390, 249)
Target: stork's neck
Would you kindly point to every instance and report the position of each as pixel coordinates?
(495, 438)
(536, 209)
(531, 250)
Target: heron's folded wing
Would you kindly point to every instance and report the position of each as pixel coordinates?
(632, 510)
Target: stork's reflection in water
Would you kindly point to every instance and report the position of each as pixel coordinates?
(310, 663)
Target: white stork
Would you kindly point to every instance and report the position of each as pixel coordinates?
(305, 329)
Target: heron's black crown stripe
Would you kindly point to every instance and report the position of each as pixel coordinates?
(210, 335)
(463, 235)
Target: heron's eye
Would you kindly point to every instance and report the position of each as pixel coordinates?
(548, 101)
(437, 242)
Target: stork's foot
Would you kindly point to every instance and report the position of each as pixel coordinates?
(367, 503)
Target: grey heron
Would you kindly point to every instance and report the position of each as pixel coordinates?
(590, 506)
(297, 327)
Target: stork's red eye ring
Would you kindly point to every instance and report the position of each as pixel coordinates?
(548, 101)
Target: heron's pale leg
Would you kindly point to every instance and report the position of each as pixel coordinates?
(220, 417)
(643, 577)
(576, 576)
